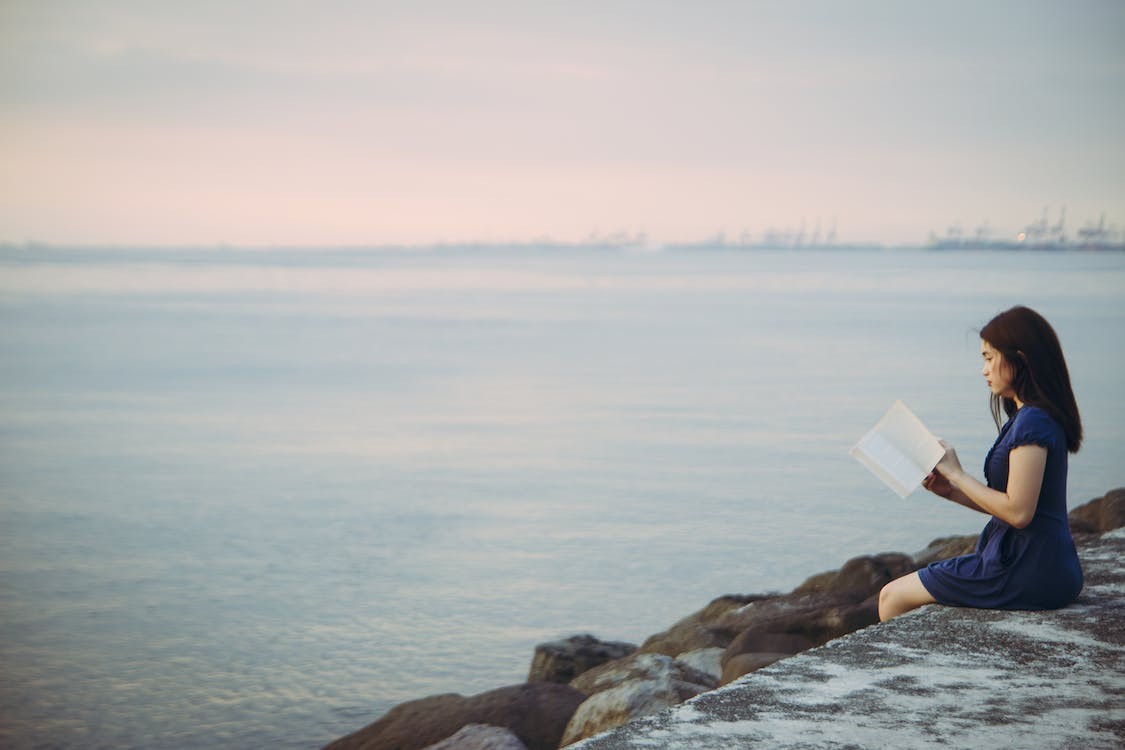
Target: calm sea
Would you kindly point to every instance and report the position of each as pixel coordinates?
(256, 498)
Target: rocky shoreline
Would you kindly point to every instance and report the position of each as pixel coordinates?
(580, 686)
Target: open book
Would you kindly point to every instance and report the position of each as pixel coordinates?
(899, 450)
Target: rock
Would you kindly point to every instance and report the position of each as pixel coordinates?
(698, 630)
(819, 617)
(842, 618)
(1101, 514)
(641, 668)
(709, 661)
(824, 607)
(861, 576)
(945, 548)
(749, 662)
(651, 683)
(480, 737)
(636, 685)
(562, 661)
(537, 713)
(759, 640)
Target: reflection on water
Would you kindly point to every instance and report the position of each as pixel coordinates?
(256, 498)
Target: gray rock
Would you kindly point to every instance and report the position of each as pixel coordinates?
(635, 686)
(562, 661)
(709, 661)
(480, 737)
(643, 668)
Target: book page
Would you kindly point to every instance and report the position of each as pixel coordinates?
(899, 450)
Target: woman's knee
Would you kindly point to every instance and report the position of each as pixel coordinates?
(886, 597)
(902, 595)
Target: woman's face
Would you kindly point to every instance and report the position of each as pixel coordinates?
(996, 371)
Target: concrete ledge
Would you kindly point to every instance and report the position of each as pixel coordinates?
(940, 676)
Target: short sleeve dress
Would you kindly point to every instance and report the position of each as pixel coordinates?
(1031, 568)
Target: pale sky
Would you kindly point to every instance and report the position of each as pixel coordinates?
(283, 122)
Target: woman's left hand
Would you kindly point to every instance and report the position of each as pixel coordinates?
(939, 485)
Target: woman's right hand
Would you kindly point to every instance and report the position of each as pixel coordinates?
(949, 466)
(938, 484)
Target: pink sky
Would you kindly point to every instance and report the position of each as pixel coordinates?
(418, 122)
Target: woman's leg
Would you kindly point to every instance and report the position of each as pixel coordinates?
(902, 595)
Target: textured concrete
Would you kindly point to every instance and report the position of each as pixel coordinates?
(936, 677)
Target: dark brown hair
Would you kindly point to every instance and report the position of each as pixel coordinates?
(1038, 371)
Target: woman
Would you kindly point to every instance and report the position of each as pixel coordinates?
(1025, 557)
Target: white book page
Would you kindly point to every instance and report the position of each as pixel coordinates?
(899, 450)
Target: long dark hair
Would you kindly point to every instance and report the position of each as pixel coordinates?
(1035, 360)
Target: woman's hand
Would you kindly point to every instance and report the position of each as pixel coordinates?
(949, 467)
(939, 485)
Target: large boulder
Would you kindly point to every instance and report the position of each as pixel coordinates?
(709, 661)
(841, 618)
(629, 688)
(620, 705)
(747, 663)
(480, 737)
(819, 617)
(825, 606)
(563, 660)
(537, 713)
(860, 577)
(642, 668)
(761, 640)
(1105, 513)
(698, 630)
(944, 548)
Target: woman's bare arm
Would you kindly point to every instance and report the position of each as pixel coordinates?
(1015, 507)
(942, 487)
(961, 498)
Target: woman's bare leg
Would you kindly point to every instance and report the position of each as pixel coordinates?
(902, 595)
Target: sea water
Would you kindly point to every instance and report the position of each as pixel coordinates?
(254, 498)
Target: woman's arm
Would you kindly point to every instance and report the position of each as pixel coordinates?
(942, 487)
(1016, 507)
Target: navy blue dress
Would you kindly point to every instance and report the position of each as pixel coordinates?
(1031, 568)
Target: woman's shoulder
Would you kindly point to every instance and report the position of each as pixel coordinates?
(1033, 413)
(1033, 424)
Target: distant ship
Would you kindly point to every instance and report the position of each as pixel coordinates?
(1039, 235)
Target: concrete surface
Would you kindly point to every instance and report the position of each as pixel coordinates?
(936, 677)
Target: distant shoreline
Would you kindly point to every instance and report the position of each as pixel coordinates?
(218, 248)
